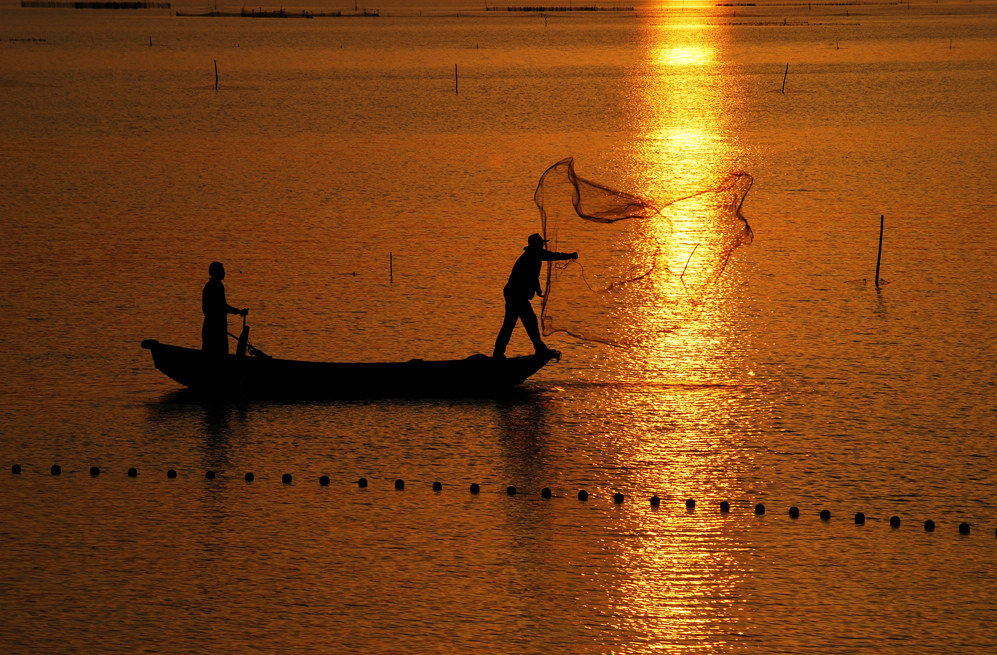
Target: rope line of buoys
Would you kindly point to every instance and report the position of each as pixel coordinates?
(618, 498)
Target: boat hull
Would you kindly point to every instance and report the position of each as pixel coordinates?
(233, 376)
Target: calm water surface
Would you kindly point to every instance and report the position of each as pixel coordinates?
(334, 144)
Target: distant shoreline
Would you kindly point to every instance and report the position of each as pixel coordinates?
(95, 5)
(554, 8)
(283, 13)
(277, 13)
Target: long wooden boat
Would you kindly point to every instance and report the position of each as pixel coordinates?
(247, 376)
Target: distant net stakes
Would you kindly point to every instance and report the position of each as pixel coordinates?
(645, 267)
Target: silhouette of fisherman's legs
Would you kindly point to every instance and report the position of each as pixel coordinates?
(532, 326)
(518, 310)
(505, 333)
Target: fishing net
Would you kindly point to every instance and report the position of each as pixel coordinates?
(645, 267)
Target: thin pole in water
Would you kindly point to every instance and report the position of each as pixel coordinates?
(456, 88)
(216, 75)
(784, 75)
(879, 257)
(391, 268)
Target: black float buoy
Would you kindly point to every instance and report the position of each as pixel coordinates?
(324, 480)
(362, 482)
(655, 501)
(963, 528)
(475, 488)
(617, 498)
(209, 475)
(510, 490)
(171, 474)
(690, 504)
(545, 492)
(286, 478)
(56, 469)
(825, 515)
(929, 526)
(859, 518)
(794, 512)
(399, 484)
(249, 477)
(759, 509)
(15, 469)
(724, 507)
(132, 472)
(94, 471)
(583, 495)
(894, 521)
(437, 486)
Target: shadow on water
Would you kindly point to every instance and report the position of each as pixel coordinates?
(520, 414)
(183, 412)
(524, 435)
(185, 400)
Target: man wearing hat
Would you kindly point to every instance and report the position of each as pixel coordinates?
(524, 282)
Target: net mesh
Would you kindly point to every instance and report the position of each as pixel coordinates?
(645, 267)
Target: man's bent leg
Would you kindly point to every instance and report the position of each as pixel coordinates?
(532, 327)
(505, 333)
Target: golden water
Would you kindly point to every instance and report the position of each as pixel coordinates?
(333, 145)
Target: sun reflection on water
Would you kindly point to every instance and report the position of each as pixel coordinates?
(678, 572)
(692, 54)
(680, 578)
(686, 145)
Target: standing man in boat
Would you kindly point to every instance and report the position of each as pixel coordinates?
(523, 284)
(214, 332)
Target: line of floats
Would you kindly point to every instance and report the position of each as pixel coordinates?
(475, 488)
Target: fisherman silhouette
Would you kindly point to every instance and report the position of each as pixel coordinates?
(523, 284)
(214, 332)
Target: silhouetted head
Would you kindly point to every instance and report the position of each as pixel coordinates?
(536, 241)
(216, 270)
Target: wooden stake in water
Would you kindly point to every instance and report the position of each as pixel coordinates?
(391, 267)
(456, 88)
(784, 75)
(216, 75)
(879, 257)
